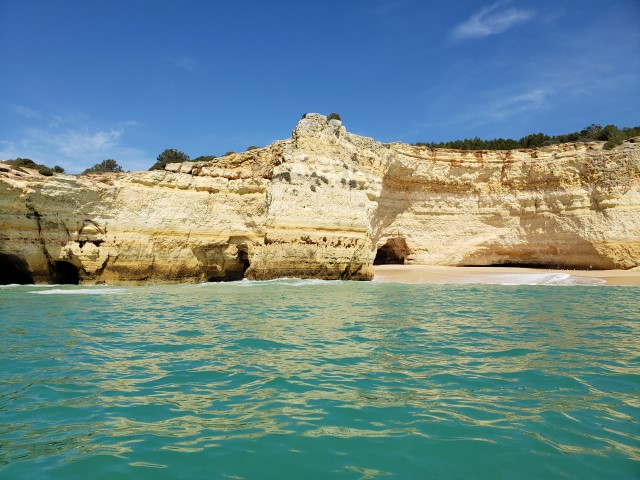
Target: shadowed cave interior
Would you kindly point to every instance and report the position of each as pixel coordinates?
(243, 258)
(65, 273)
(14, 269)
(393, 252)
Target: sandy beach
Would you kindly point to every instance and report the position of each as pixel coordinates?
(502, 275)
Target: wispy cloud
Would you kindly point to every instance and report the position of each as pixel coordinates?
(27, 112)
(495, 108)
(491, 20)
(534, 99)
(61, 140)
(182, 61)
(76, 144)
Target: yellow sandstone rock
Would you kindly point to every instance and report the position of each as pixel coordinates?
(324, 204)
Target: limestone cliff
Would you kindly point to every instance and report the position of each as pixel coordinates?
(324, 204)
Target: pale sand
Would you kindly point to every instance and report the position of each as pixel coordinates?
(506, 275)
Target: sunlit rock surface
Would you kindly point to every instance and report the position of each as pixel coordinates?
(324, 204)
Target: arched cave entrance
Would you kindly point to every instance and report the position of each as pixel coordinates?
(65, 273)
(393, 252)
(234, 271)
(14, 269)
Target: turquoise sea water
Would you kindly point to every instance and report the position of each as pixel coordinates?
(308, 379)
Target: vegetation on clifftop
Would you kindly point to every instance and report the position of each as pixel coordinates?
(18, 163)
(105, 166)
(204, 158)
(610, 134)
(170, 155)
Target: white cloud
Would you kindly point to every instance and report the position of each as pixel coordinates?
(65, 141)
(491, 20)
(77, 144)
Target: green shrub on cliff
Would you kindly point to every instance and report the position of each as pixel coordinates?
(612, 143)
(28, 163)
(170, 155)
(334, 116)
(610, 134)
(204, 158)
(105, 166)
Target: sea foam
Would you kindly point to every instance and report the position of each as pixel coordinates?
(286, 281)
(92, 291)
(540, 279)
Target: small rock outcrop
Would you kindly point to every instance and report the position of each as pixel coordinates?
(324, 204)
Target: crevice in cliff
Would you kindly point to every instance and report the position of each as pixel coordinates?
(349, 271)
(14, 269)
(36, 216)
(393, 252)
(43, 244)
(243, 259)
(99, 271)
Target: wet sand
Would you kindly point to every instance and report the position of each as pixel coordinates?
(502, 275)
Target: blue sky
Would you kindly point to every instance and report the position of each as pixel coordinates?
(83, 81)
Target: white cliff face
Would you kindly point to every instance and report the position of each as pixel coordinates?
(319, 205)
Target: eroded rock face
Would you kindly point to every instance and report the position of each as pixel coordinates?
(320, 205)
(570, 205)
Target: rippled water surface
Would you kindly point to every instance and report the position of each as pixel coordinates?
(307, 379)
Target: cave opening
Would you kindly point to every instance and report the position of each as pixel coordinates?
(14, 269)
(393, 252)
(243, 259)
(65, 273)
(238, 272)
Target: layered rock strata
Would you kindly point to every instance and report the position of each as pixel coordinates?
(324, 204)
